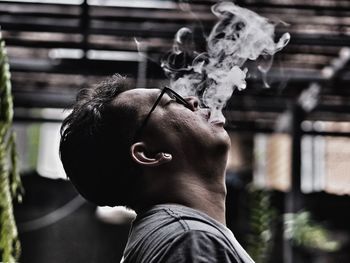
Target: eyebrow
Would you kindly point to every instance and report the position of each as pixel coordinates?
(155, 96)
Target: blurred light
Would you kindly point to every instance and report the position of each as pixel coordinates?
(66, 2)
(49, 164)
(306, 125)
(135, 3)
(318, 126)
(66, 53)
(309, 97)
(283, 122)
(344, 53)
(113, 55)
(337, 64)
(327, 72)
(45, 114)
(52, 113)
(115, 215)
(59, 53)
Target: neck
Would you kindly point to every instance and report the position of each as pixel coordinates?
(210, 200)
(189, 189)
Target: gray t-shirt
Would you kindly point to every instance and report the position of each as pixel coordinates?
(174, 233)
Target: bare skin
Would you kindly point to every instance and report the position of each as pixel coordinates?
(182, 154)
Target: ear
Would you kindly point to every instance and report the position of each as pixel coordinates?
(141, 156)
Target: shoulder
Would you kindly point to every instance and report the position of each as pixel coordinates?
(199, 246)
(167, 223)
(180, 234)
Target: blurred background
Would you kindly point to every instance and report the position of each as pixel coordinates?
(288, 176)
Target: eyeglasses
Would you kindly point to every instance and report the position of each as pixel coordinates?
(173, 95)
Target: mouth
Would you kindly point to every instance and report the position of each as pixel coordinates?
(214, 120)
(220, 123)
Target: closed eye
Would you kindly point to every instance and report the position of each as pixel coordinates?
(172, 99)
(177, 99)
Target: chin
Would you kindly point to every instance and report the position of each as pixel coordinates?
(223, 144)
(225, 138)
(226, 146)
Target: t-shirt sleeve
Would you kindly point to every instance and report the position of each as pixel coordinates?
(198, 247)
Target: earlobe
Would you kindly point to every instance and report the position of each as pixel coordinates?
(140, 155)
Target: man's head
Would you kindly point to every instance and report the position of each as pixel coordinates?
(118, 140)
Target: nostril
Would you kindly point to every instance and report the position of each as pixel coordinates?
(195, 103)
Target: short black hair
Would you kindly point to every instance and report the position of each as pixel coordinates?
(95, 145)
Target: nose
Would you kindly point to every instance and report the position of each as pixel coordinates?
(193, 102)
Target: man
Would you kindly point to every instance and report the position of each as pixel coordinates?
(159, 154)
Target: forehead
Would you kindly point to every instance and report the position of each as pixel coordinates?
(137, 97)
(137, 100)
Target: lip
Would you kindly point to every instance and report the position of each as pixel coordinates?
(218, 123)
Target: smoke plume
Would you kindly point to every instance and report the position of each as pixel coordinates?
(212, 76)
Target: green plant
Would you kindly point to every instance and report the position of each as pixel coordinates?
(302, 231)
(10, 184)
(261, 223)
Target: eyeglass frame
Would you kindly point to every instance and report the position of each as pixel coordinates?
(168, 91)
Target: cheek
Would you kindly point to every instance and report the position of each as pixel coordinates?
(189, 127)
(167, 133)
(181, 126)
(183, 122)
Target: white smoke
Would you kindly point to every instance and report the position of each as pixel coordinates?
(239, 35)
